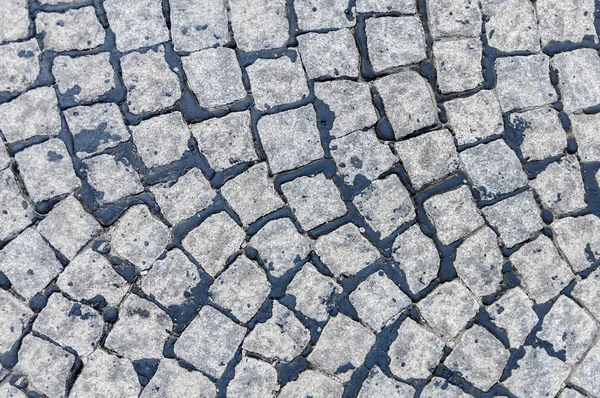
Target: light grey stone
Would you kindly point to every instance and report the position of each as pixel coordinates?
(475, 117)
(524, 82)
(479, 357)
(226, 141)
(588, 142)
(141, 330)
(180, 200)
(63, 2)
(568, 393)
(448, 309)
(96, 128)
(46, 365)
(14, 21)
(345, 251)
(139, 236)
(214, 241)
(4, 158)
(34, 113)
(543, 273)
(70, 324)
(173, 381)
(454, 18)
(15, 316)
(586, 375)
(84, 79)
(578, 78)
(458, 64)
(162, 139)
(68, 227)
(108, 376)
(511, 25)
(74, 29)
(571, 20)
(151, 85)
(416, 352)
(29, 263)
(537, 375)
(290, 139)
(15, 212)
(252, 194)
(312, 383)
(560, 186)
(516, 219)
(493, 168)
(312, 292)
(351, 104)
(90, 275)
(587, 293)
(171, 280)
(360, 154)
(579, 240)
(540, 133)
(8, 391)
(21, 65)
(378, 384)
(215, 77)
(340, 357)
(394, 41)
(514, 313)
(241, 289)
(408, 101)
(253, 379)
(210, 341)
(440, 388)
(314, 200)
(417, 258)
(112, 178)
(281, 338)
(198, 24)
(280, 247)
(136, 23)
(329, 55)
(385, 205)
(400, 6)
(453, 214)
(323, 14)
(429, 157)
(259, 25)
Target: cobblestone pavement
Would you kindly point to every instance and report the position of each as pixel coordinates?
(299, 198)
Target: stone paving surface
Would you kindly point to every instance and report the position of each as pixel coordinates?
(299, 198)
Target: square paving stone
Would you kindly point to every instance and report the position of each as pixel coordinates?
(15, 212)
(345, 251)
(14, 21)
(253, 378)
(578, 78)
(454, 18)
(162, 139)
(511, 25)
(112, 178)
(47, 170)
(538, 132)
(399, 6)
(385, 205)
(290, 139)
(524, 82)
(21, 65)
(96, 128)
(408, 101)
(312, 383)
(136, 23)
(514, 313)
(351, 104)
(543, 272)
(453, 214)
(458, 64)
(340, 357)
(570, 20)
(215, 77)
(139, 236)
(479, 357)
(68, 227)
(151, 85)
(226, 141)
(361, 155)
(196, 343)
(378, 384)
(587, 293)
(329, 55)
(560, 186)
(428, 157)
(440, 388)
(34, 113)
(588, 142)
(586, 375)
(198, 24)
(516, 219)
(15, 317)
(181, 199)
(323, 14)
(394, 41)
(259, 25)
(251, 194)
(280, 247)
(75, 29)
(493, 168)
(579, 240)
(172, 380)
(312, 292)
(214, 241)
(84, 79)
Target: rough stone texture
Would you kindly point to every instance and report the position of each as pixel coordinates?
(198, 24)
(379, 385)
(8, 391)
(15, 212)
(253, 378)
(76, 29)
(14, 21)
(587, 293)
(578, 76)
(458, 64)
(588, 142)
(323, 14)
(312, 383)
(514, 313)
(112, 178)
(400, 6)
(15, 315)
(440, 388)
(511, 25)
(333, 54)
(448, 18)
(259, 25)
(539, 133)
(173, 381)
(579, 240)
(4, 158)
(84, 79)
(586, 375)
(20, 72)
(571, 20)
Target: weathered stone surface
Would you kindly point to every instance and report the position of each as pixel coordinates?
(400, 6)
(571, 20)
(378, 384)
(511, 25)
(449, 18)
(173, 381)
(579, 240)
(539, 133)
(75, 29)
(84, 79)
(332, 54)
(588, 142)
(253, 379)
(514, 313)
(15, 212)
(440, 388)
(312, 383)
(112, 178)
(568, 393)
(15, 316)
(4, 158)
(475, 117)
(458, 64)
(587, 293)
(8, 391)
(323, 14)
(586, 375)
(20, 71)
(14, 21)
(259, 25)
(198, 24)
(578, 76)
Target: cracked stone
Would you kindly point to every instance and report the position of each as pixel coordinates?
(259, 25)
(113, 178)
(84, 79)
(586, 375)
(588, 142)
(440, 388)
(14, 21)
(454, 18)
(15, 316)
(539, 133)
(198, 24)
(312, 383)
(587, 292)
(173, 381)
(378, 384)
(571, 20)
(323, 14)
(514, 313)
(511, 25)
(75, 29)
(15, 212)
(579, 78)
(458, 64)
(21, 65)
(579, 240)
(329, 55)
(400, 6)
